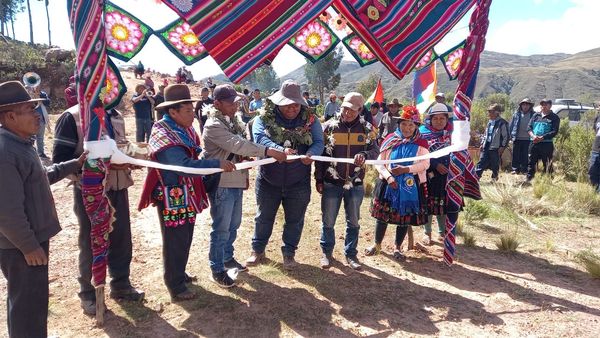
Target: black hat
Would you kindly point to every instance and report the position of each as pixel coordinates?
(13, 93)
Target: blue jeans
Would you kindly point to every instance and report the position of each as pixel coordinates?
(330, 206)
(226, 213)
(39, 139)
(594, 170)
(294, 199)
(142, 129)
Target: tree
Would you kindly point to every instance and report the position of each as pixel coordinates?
(30, 23)
(264, 78)
(322, 75)
(8, 11)
(367, 86)
(48, 19)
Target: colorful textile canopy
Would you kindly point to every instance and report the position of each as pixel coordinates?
(314, 41)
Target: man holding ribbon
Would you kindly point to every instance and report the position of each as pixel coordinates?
(224, 138)
(68, 144)
(287, 124)
(347, 136)
(177, 196)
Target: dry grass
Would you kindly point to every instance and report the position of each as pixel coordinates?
(508, 242)
(469, 239)
(590, 261)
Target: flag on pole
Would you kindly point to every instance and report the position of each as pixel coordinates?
(377, 95)
(425, 87)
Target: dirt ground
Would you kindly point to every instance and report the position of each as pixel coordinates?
(538, 291)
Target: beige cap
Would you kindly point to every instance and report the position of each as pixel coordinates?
(353, 100)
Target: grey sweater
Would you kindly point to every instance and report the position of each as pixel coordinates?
(220, 140)
(27, 212)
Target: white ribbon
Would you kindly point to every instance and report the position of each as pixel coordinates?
(108, 149)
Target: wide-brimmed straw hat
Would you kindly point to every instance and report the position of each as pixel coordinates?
(409, 113)
(175, 94)
(13, 93)
(289, 93)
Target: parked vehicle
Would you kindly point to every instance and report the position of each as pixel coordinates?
(569, 109)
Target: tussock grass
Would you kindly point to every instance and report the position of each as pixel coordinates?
(468, 239)
(590, 261)
(476, 212)
(460, 227)
(508, 242)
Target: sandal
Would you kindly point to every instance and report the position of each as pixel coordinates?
(373, 250)
(183, 296)
(398, 255)
(426, 240)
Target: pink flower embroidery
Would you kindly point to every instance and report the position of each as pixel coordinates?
(186, 41)
(453, 61)
(361, 49)
(314, 39)
(112, 87)
(425, 60)
(123, 34)
(339, 23)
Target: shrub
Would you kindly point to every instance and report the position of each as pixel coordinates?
(371, 176)
(508, 242)
(590, 261)
(476, 212)
(585, 198)
(573, 151)
(468, 239)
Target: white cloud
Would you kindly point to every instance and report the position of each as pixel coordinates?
(574, 31)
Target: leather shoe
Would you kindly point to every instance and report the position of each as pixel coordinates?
(353, 263)
(289, 263)
(88, 306)
(255, 258)
(129, 294)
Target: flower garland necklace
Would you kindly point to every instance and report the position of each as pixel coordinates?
(287, 137)
(234, 125)
(371, 136)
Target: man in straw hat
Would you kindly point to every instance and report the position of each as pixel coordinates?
(223, 138)
(388, 124)
(28, 216)
(290, 126)
(520, 136)
(178, 197)
(543, 127)
(495, 140)
(68, 144)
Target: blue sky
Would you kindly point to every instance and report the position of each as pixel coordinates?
(522, 27)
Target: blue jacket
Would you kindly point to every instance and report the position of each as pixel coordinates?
(286, 174)
(545, 126)
(515, 122)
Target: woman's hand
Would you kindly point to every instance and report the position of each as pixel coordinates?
(399, 170)
(392, 182)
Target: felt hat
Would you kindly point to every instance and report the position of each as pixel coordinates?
(496, 107)
(409, 113)
(13, 93)
(395, 102)
(175, 94)
(289, 93)
(526, 100)
(438, 108)
(542, 101)
(353, 101)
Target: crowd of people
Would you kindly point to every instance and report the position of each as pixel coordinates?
(235, 127)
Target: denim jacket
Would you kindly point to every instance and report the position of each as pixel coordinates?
(515, 123)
